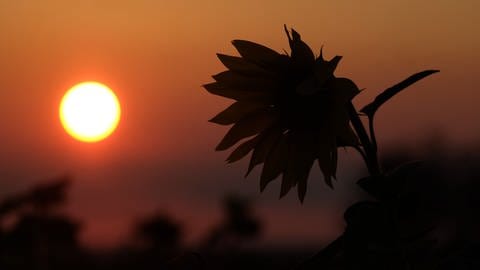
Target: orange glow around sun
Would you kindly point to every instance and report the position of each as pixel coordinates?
(90, 112)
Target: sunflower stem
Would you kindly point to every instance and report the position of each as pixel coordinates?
(372, 134)
(362, 153)
(370, 157)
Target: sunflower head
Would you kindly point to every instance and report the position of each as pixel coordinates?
(289, 111)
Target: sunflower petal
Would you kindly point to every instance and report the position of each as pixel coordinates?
(242, 150)
(258, 54)
(308, 87)
(236, 94)
(302, 56)
(327, 156)
(237, 111)
(267, 140)
(323, 162)
(247, 83)
(324, 69)
(247, 127)
(334, 162)
(240, 65)
(275, 162)
(302, 187)
(347, 138)
(289, 177)
(301, 157)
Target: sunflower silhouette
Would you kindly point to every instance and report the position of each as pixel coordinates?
(289, 110)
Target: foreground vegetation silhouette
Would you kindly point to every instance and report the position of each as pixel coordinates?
(36, 233)
(39, 236)
(435, 227)
(291, 110)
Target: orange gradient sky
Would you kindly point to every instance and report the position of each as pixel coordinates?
(156, 55)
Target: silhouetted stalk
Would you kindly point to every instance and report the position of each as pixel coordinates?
(361, 152)
(372, 134)
(370, 152)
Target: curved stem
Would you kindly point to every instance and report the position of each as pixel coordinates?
(370, 152)
(361, 152)
(372, 133)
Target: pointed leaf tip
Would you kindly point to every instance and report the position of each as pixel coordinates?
(301, 191)
(257, 54)
(335, 60)
(242, 150)
(288, 33)
(389, 93)
(237, 111)
(295, 35)
(247, 127)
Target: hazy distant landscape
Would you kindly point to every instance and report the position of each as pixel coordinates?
(153, 192)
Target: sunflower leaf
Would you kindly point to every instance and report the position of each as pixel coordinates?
(247, 127)
(343, 89)
(386, 95)
(237, 111)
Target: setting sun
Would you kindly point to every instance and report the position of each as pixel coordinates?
(89, 111)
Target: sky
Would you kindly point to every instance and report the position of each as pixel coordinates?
(156, 55)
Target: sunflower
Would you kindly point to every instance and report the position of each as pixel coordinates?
(289, 111)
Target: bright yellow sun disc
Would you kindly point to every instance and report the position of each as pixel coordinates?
(90, 112)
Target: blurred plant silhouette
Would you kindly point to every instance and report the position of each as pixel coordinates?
(239, 224)
(159, 233)
(39, 236)
(291, 110)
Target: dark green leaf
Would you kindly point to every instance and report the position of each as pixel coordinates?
(371, 108)
(237, 111)
(247, 127)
